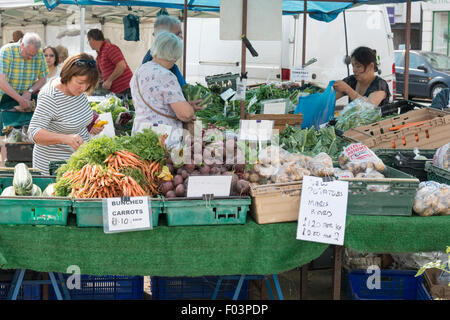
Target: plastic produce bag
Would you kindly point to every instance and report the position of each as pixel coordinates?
(357, 158)
(321, 165)
(441, 158)
(357, 113)
(291, 171)
(18, 135)
(279, 166)
(317, 108)
(432, 199)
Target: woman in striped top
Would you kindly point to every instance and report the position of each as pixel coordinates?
(59, 124)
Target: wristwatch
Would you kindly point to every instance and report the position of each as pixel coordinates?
(30, 91)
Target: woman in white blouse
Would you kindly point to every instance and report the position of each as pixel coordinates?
(157, 95)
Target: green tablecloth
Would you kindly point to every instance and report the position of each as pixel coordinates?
(206, 250)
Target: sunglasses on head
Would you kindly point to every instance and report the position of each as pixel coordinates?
(82, 62)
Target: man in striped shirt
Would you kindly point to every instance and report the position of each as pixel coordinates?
(115, 72)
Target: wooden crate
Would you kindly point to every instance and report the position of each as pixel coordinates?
(279, 120)
(275, 202)
(432, 133)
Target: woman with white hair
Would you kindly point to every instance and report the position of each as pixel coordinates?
(157, 95)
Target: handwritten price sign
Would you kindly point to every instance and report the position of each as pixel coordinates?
(323, 210)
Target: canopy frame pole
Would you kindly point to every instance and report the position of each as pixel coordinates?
(305, 11)
(243, 50)
(408, 40)
(185, 36)
(82, 21)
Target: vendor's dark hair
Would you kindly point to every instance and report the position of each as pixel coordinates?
(96, 34)
(366, 56)
(81, 64)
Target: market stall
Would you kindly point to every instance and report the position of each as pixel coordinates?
(248, 227)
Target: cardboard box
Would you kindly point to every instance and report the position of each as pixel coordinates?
(431, 131)
(437, 291)
(275, 202)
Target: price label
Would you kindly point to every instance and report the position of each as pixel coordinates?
(252, 102)
(323, 210)
(227, 94)
(256, 130)
(219, 186)
(161, 129)
(275, 108)
(241, 87)
(300, 74)
(126, 214)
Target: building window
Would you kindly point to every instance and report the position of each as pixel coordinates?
(441, 24)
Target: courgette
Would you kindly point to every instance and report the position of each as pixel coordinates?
(22, 181)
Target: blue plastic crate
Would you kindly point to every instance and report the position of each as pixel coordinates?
(395, 285)
(26, 291)
(202, 288)
(106, 288)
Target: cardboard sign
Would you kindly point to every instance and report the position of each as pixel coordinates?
(241, 87)
(219, 186)
(256, 130)
(300, 74)
(126, 214)
(275, 108)
(227, 94)
(323, 210)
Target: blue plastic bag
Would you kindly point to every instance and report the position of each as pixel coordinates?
(317, 108)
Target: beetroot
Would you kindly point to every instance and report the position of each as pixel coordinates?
(190, 167)
(171, 194)
(214, 171)
(242, 187)
(179, 190)
(205, 170)
(178, 179)
(167, 186)
(184, 174)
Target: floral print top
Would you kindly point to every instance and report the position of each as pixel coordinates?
(159, 88)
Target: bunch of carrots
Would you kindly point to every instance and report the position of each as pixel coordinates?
(95, 181)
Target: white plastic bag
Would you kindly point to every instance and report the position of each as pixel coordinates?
(441, 158)
(431, 199)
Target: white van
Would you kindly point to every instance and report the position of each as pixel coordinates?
(367, 25)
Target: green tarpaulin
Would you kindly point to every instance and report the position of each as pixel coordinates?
(206, 250)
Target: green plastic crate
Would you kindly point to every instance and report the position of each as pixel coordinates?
(397, 201)
(89, 212)
(406, 162)
(437, 174)
(41, 181)
(387, 155)
(193, 212)
(34, 210)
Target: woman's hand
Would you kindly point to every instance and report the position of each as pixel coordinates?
(341, 86)
(195, 103)
(96, 130)
(73, 140)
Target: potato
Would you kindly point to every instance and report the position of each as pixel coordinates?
(253, 177)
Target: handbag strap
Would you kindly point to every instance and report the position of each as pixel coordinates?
(151, 108)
